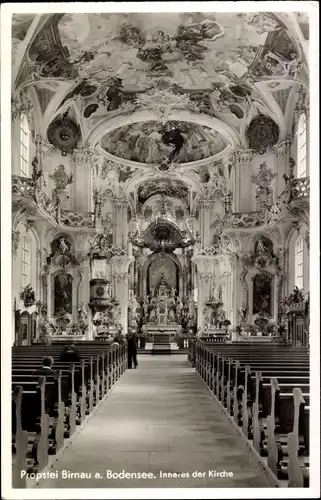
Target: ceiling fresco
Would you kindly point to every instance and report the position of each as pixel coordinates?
(232, 73)
(214, 59)
(188, 49)
(168, 187)
(153, 142)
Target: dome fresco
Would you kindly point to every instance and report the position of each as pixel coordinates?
(153, 142)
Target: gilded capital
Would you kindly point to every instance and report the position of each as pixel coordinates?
(282, 149)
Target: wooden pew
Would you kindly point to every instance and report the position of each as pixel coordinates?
(41, 443)
(20, 439)
(76, 387)
(258, 390)
(66, 390)
(55, 406)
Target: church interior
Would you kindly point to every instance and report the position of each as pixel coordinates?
(160, 214)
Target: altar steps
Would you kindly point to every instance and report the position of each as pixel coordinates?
(172, 352)
(161, 349)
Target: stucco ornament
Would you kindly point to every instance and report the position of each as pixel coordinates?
(64, 133)
(61, 178)
(28, 296)
(264, 176)
(162, 102)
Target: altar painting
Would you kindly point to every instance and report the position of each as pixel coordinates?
(63, 293)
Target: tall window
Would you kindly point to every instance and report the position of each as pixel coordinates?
(302, 146)
(24, 146)
(299, 263)
(25, 261)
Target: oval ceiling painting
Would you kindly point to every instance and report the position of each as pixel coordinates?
(153, 142)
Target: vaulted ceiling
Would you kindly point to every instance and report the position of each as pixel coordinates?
(157, 89)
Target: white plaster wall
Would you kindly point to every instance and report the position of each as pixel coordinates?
(291, 262)
(17, 271)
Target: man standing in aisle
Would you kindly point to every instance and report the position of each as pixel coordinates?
(132, 349)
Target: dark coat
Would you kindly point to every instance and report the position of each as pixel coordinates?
(132, 344)
(45, 371)
(70, 357)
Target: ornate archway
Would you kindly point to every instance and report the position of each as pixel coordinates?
(159, 264)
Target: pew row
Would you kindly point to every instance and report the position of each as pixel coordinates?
(265, 389)
(47, 409)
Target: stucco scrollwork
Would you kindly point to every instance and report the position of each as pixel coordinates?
(241, 156)
(282, 149)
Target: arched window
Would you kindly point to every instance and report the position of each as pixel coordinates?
(24, 146)
(25, 259)
(302, 146)
(298, 262)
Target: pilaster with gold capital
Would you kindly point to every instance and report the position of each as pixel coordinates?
(120, 206)
(82, 160)
(206, 207)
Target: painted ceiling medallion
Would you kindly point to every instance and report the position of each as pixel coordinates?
(155, 143)
(262, 133)
(64, 133)
(171, 188)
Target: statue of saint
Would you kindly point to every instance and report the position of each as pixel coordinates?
(191, 306)
(171, 316)
(261, 246)
(63, 246)
(207, 313)
(82, 312)
(241, 313)
(152, 316)
(179, 307)
(145, 306)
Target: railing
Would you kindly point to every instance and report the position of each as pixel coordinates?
(77, 219)
(245, 219)
(297, 189)
(28, 189)
(300, 188)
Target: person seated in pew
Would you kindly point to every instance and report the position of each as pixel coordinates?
(70, 354)
(46, 368)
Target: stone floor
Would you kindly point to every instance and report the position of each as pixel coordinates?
(158, 419)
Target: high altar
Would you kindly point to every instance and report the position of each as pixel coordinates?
(163, 310)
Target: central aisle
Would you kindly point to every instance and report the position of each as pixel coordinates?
(160, 417)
